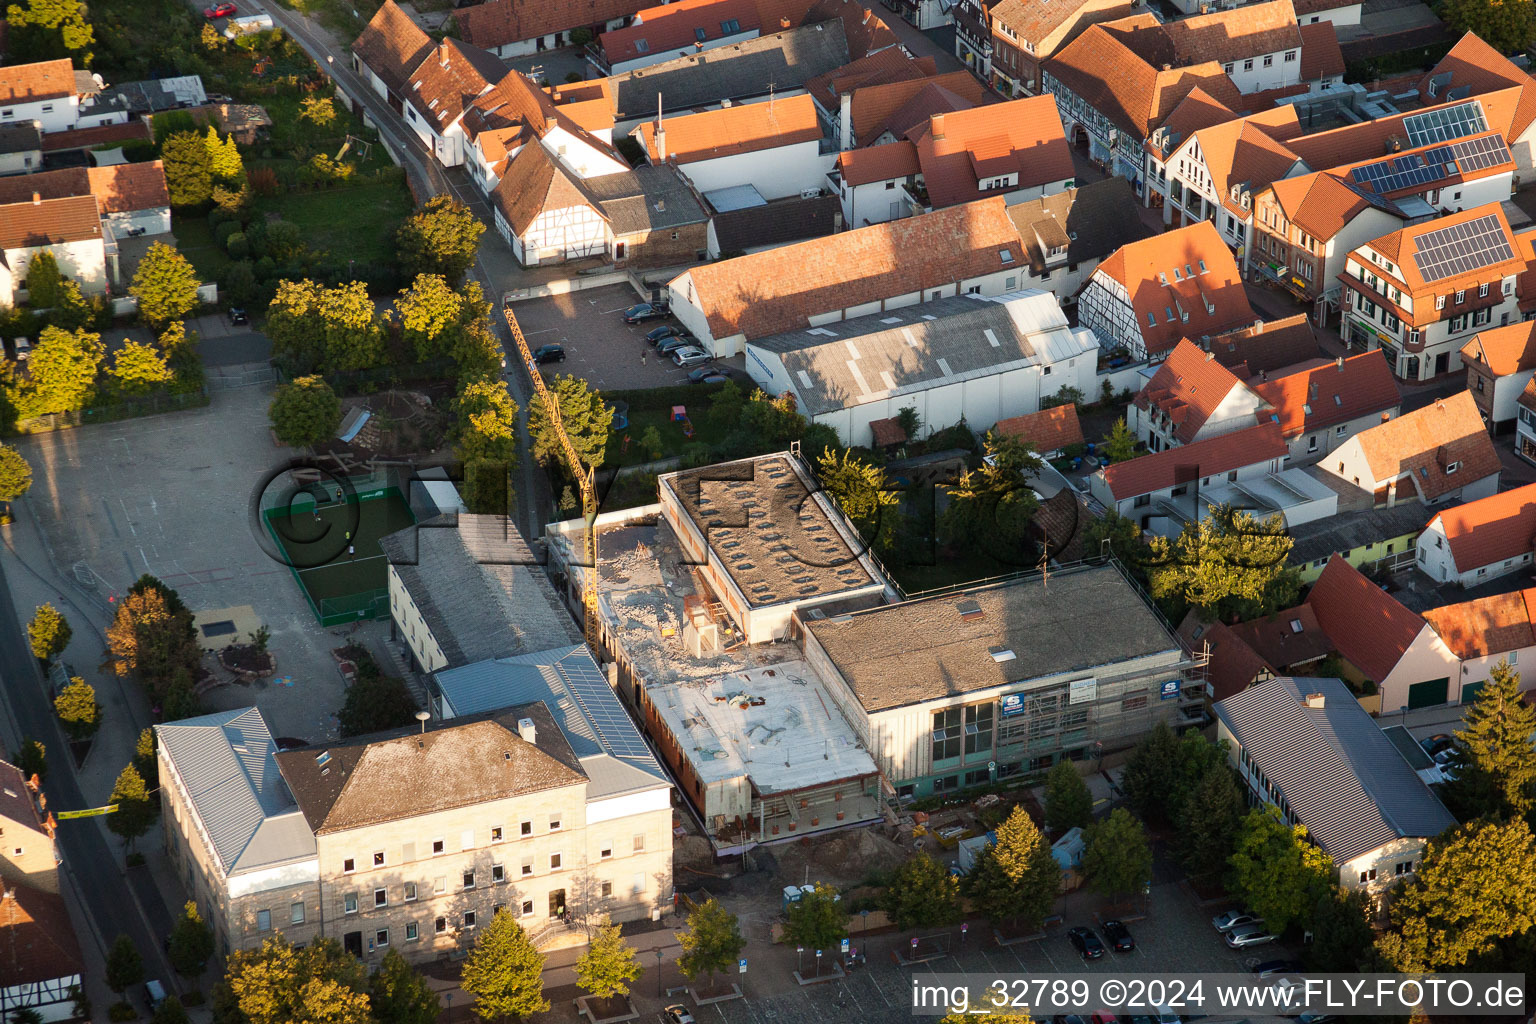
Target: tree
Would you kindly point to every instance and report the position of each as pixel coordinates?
(432, 315)
(487, 421)
(1120, 444)
(1508, 26)
(191, 942)
(1016, 879)
(15, 478)
(135, 810)
(304, 411)
(293, 324)
(280, 984)
(985, 1000)
(922, 894)
(188, 171)
(63, 365)
(165, 285)
(1117, 536)
(318, 110)
(586, 417)
(144, 758)
(400, 995)
(608, 966)
(170, 1011)
(49, 631)
(440, 238)
(863, 492)
(816, 919)
(1145, 778)
(711, 942)
(504, 972)
(152, 638)
(487, 487)
(32, 759)
(224, 161)
(1492, 757)
(1116, 859)
(991, 508)
(353, 334)
(1230, 564)
(43, 279)
(25, 1015)
(1341, 931)
(1207, 822)
(77, 708)
(374, 703)
(210, 37)
(48, 29)
(140, 368)
(1276, 872)
(1475, 887)
(125, 967)
(73, 311)
(1068, 804)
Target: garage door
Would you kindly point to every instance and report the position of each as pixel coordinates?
(1428, 694)
(1469, 692)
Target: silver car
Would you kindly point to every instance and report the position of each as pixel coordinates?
(1247, 935)
(690, 356)
(1235, 919)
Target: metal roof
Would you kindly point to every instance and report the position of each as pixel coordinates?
(1341, 775)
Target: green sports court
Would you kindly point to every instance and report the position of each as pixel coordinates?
(341, 586)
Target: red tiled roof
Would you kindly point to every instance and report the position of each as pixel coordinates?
(1488, 625)
(1286, 638)
(1216, 455)
(889, 65)
(1265, 347)
(1195, 111)
(49, 222)
(1136, 267)
(1320, 54)
(1022, 137)
(1320, 204)
(1226, 36)
(777, 290)
(1234, 665)
(1246, 151)
(887, 432)
(532, 184)
(1036, 23)
(1401, 245)
(500, 22)
(30, 83)
(1368, 626)
(450, 78)
(1503, 350)
(878, 163)
(896, 106)
(733, 130)
(85, 138)
(1189, 386)
(59, 184)
(1422, 443)
(391, 45)
(1048, 430)
(16, 800)
(37, 941)
(1527, 397)
(676, 26)
(1491, 529)
(127, 188)
(1334, 393)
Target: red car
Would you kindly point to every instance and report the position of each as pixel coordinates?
(219, 11)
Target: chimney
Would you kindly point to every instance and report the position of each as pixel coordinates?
(936, 126)
(37, 199)
(1314, 700)
(661, 134)
(845, 120)
(1209, 356)
(1167, 67)
(526, 730)
(866, 17)
(783, 24)
(837, 220)
(1340, 363)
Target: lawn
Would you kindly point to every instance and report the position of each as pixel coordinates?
(355, 223)
(194, 239)
(672, 437)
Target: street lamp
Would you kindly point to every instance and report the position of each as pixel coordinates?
(799, 959)
(658, 972)
(963, 926)
(865, 915)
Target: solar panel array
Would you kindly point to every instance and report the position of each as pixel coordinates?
(595, 697)
(1445, 124)
(1420, 169)
(1461, 248)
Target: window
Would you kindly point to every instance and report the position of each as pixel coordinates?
(1458, 323)
(1312, 444)
(1439, 301)
(263, 920)
(1479, 385)
(381, 897)
(439, 885)
(526, 908)
(440, 925)
(348, 866)
(496, 834)
(411, 932)
(47, 108)
(349, 903)
(410, 892)
(1134, 701)
(1151, 319)
(606, 852)
(978, 728)
(1269, 60)
(296, 913)
(1482, 290)
(946, 734)
(1461, 295)
(527, 868)
(639, 842)
(498, 873)
(378, 858)
(437, 847)
(469, 879)
(381, 938)
(554, 862)
(467, 839)
(700, 35)
(1228, 68)
(1142, 501)
(641, 46)
(1453, 467)
(1481, 317)
(1290, 56)
(469, 919)
(1248, 65)
(637, 884)
(554, 823)
(730, 26)
(407, 852)
(526, 828)
(1341, 430)
(607, 890)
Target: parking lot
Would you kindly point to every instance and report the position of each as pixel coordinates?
(599, 346)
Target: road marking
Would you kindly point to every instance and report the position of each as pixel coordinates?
(619, 310)
(1049, 959)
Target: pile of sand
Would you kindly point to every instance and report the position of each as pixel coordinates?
(844, 858)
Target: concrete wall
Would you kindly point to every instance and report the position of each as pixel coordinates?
(28, 856)
(55, 115)
(775, 173)
(1362, 556)
(1381, 868)
(1434, 557)
(85, 261)
(1427, 658)
(874, 203)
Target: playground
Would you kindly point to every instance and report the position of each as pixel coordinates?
(332, 548)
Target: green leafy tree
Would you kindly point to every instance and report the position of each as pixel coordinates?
(609, 964)
(294, 325)
(48, 632)
(910, 421)
(77, 708)
(398, 994)
(152, 638)
(474, 349)
(1493, 759)
(1117, 536)
(1117, 861)
(587, 421)
(991, 508)
(210, 37)
(649, 444)
(15, 477)
(1068, 804)
(318, 110)
(144, 758)
(1120, 444)
(432, 315)
(1341, 932)
(64, 365)
(864, 494)
(125, 967)
(374, 703)
(725, 408)
(816, 920)
(188, 171)
(353, 333)
(487, 427)
(140, 368)
(165, 285)
(135, 810)
(1230, 564)
(170, 1011)
(922, 894)
(43, 280)
(304, 411)
(191, 943)
(440, 238)
(1015, 880)
(282, 984)
(962, 1016)
(73, 310)
(49, 29)
(1508, 26)
(711, 942)
(504, 972)
(32, 759)
(224, 161)
(1475, 888)
(1145, 778)
(487, 487)
(1276, 872)
(1207, 822)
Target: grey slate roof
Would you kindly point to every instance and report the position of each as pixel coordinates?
(410, 772)
(571, 686)
(1097, 218)
(786, 60)
(20, 138)
(924, 650)
(1341, 775)
(227, 764)
(644, 199)
(777, 223)
(1349, 530)
(479, 587)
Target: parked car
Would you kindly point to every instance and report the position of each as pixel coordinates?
(238, 316)
(690, 356)
(548, 354)
(1118, 936)
(1247, 935)
(1315, 1018)
(1104, 1017)
(663, 332)
(666, 346)
(644, 311)
(1235, 919)
(698, 373)
(223, 10)
(1167, 1016)
(1067, 1018)
(1086, 943)
(154, 994)
(1270, 968)
(1438, 744)
(677, 1013)
(714, 376)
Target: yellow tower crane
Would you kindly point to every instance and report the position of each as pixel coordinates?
(584, 475)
